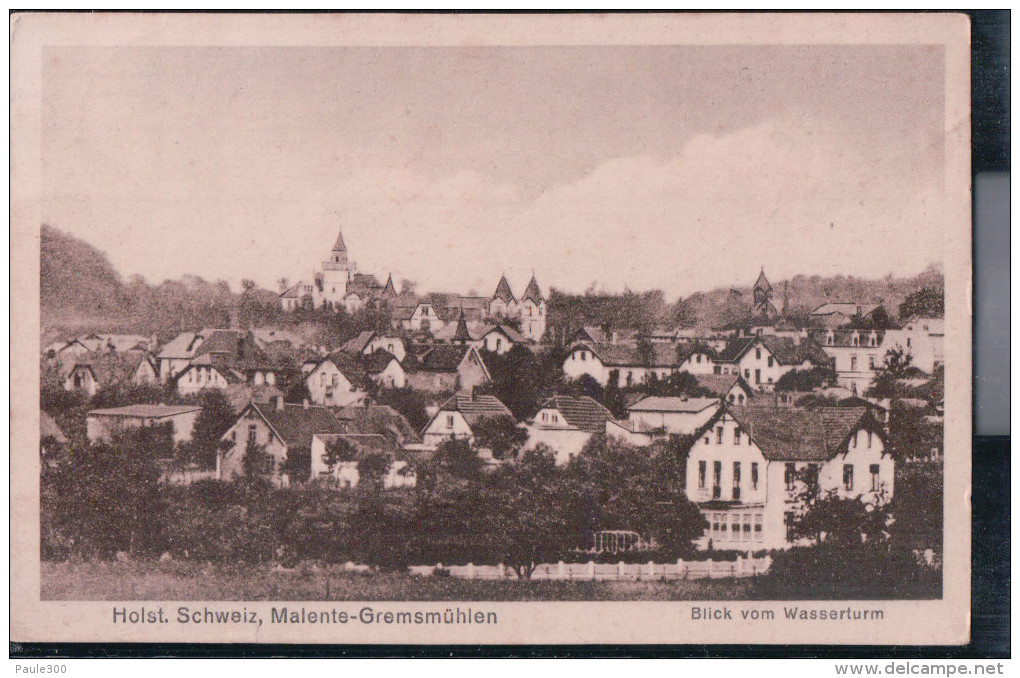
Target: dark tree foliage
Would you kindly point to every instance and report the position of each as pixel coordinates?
(613, 486)
(677, 385)
(410, 403)
(895, 366)
(806, 380)
(587, 385)
(499, 434)
(106, 500)
(911, 435)
(215, 419)
(927, 302)
(517, 380)
(614, 399)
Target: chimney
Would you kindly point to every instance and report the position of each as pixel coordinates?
(279, 403)
(304, 403)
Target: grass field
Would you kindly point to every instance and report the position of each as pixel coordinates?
(193, 581)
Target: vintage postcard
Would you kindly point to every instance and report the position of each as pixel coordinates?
(509, 329)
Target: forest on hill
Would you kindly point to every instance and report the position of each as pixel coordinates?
(82, 291)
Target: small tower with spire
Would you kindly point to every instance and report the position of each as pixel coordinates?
(533, 311)
(461, 335)
(763, 307)
(336, 273)
(503, 302)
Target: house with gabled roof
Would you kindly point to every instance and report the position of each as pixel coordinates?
(225, 359)
(445, 368)
(749, 466)
(762, 360)
(731, 388)
(566, 423)
(457, 416)
(383, 368)
(633, 364)
(838, 314)
(380, 420)
(500, 339)
(282, 430)
(369, 341)
(89, 372)
(419, 317)
(337, 380)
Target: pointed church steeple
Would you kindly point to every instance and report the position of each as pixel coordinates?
(340, 246)
(762, 284)
(461, 335)
(533, 292)
(503, 291)
(389, 289)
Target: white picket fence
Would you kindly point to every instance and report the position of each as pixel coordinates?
(592, 571)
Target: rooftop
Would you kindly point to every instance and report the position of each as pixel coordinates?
(145, 411)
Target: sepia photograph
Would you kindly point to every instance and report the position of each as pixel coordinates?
(387, 322)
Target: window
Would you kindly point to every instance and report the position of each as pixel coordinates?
(754, 475)
(871, 362)
(715, 522)
(740, 398)
(853, 440)
(772, 361)
(736, 438)
(253, 432)
(731, 399)
(757, 376)
(758, 520)
(788, 518)
(853, 363)
(828, 340)
(584, 355)
(790, 475)
(449, 421)
(869, 440)
(747, 528)
(747, 374)
(697, 358)
(717, 369)
(718, 435)
(701, 473)
(736, 481)
(848, 477)
(716, 479)
(908, 342)
(757, 354)
(322, 378)
(874, 477)
(630, 378)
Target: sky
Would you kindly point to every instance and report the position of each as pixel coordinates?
(679, 168)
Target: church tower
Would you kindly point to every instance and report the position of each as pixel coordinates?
(763, 306)
(336, 273)
(533, 311)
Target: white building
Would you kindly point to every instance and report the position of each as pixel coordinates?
(102, 425)
(763, 360)
(337, 380)
(566, 424)
(458, 415)
(744, 472)
(633, 367)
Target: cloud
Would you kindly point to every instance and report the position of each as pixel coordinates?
(794, 198)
